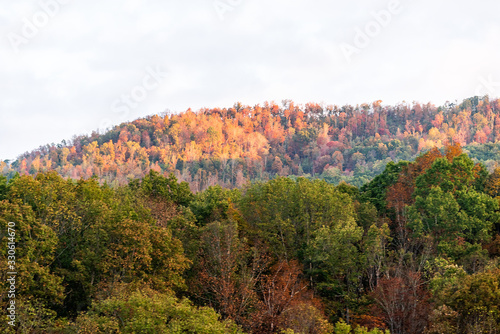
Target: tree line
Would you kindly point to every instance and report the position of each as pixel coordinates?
(229, 146)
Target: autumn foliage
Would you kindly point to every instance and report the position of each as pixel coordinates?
(154, 227)
(228, 146)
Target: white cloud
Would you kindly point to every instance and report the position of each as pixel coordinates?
(65, 78)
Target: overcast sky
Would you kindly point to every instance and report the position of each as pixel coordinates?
(69, 67)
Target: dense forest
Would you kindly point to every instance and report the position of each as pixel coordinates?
(230, 146)
(416, 250)
(349, 220)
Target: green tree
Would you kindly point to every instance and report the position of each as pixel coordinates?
(102, 237)
(375, 246)
(342, 328)
(376, 191)
(466, 303)
(156, 185)
(288, 213)
(450, 207)
(213, 204)
(32, 248)
(147, 311)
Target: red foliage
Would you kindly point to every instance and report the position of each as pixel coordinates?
(282, 291)
(403, 303)
(368, 321)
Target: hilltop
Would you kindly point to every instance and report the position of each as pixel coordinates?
(228, 146)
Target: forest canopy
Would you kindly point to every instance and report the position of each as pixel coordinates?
(416, 250)
(266, 219)
(229, 146)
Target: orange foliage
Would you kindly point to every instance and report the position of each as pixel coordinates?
(400, 194)
(368, 321)
(242, 142)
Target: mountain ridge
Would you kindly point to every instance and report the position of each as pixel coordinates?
(228, 146)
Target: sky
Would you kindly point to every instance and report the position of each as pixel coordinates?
(71, 67)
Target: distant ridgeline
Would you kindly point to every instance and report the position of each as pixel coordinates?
(233, 145)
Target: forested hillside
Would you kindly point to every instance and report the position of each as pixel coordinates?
(230, 146)
(153, 227)
(416, 250)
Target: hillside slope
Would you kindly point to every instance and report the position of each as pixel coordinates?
(231, 145)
